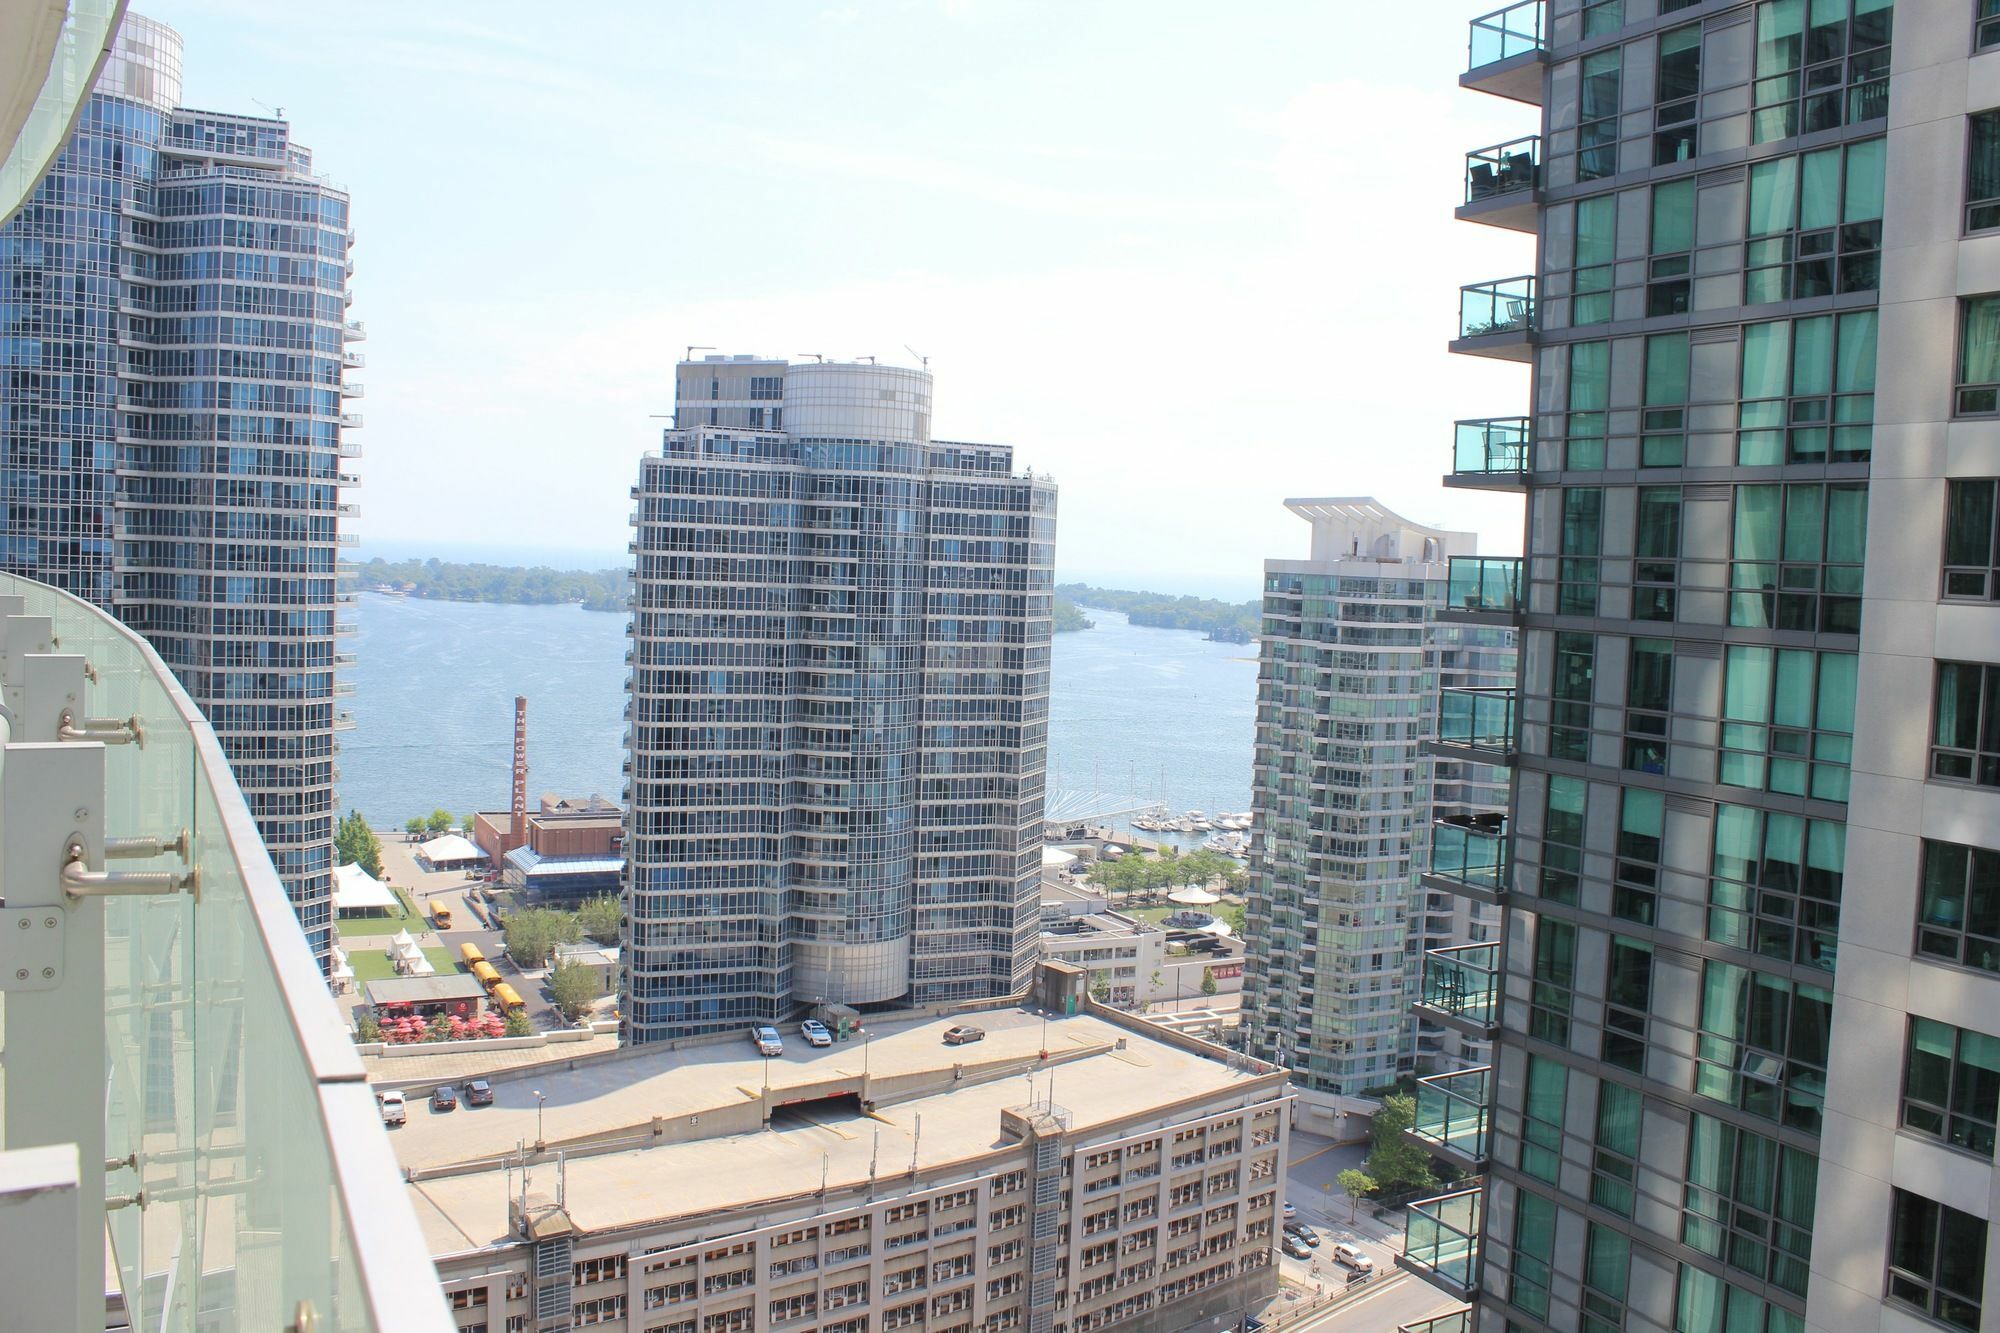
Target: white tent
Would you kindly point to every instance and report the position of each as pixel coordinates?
(355, 890)
(1194, 897)
(450, 850)
(1056, 858)
(402, 941)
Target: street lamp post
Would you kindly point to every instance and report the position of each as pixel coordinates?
(540, 1101)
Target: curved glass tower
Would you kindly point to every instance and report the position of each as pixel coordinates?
(839, 702)
(173, 346)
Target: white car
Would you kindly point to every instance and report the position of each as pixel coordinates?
(1350, 1256)
(394, 1110)
(815, 1033)
(767, 1041)
(1291, 1210)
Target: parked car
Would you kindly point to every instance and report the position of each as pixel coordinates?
(961, 1034)
(1300, 1232)
(1291, 1210)
(394, 1112)
(479, 1093)
(1293, 1248)
(767, 1041)
(815, 1033)
(443, 1098)
(1351, 1256)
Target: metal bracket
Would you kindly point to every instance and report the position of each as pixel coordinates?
(139, 849)
(80, 881)
(31, 948)
(105, 730)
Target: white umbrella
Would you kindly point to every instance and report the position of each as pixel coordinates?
(1194, 897)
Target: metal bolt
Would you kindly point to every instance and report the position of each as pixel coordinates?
(48, 921)
(48, 972)
(82, 812)
(22, 923)
(20, 974)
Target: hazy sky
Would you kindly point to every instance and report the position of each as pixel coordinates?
(1190, 258)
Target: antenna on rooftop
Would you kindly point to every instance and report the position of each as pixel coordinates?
(814, 355)
(869, 359)
(277, 112)
(919, 355)
(693, 348)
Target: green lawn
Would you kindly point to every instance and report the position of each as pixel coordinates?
(360, 925)
(372, 964)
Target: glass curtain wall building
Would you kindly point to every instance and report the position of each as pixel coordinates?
(174, 343)
(839, 703)
(1350, 665)
(1747, 1062)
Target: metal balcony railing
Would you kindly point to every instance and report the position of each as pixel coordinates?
(1492, 446)
(1477, 717)
(1453, 1112)
(1484, 583)
(1487, 309)
(1441, 1240)
(170, 1046)
(1505, 33)
(1462, 982)
(1469, 853)
(1505, 168)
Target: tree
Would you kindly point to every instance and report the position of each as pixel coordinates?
(439, 822)
(1208, 986)
(354, 843)
(1395, 1162)
(467, 825)
(518, 1025)
(1100, 988)
(414, 826)
(367, 1027)
(573, 986)
(534, 933)
(439, 1028)
(600, 917)
(1239, 920)
(1356, 1183)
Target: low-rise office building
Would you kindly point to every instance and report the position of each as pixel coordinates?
(1126, 959)
(1059, 1175)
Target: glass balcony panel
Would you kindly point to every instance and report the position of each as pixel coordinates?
(1462, 981)
(1441, 1239)
(1489, 308)
(230, 1077)
(1471, 851)
(1506, 33)
(1479, 717)
(1452, 1111)
(1492, 445)
(1458, 1321)
(1484, 583)
(1506, 168)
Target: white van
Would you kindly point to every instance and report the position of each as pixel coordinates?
(393, 1110)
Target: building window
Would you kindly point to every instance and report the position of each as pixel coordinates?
(1966, 743)
(1763, 1044)
(1628, 993)
(1987, 33)
(1641, 820)
(1589, 395)
(1570, 691)
(1676, 92)
(1582, 535)
(1555, 981)
(1562, 838)
(1982, 171)
(1534, 1253)
(1705, 1303)
(1602, 16)
(1614, 1164)
(1815, 224)
(1596, 249)
(1597, 129)
(1657, 570)
(1796, 557)
(1971, 542)
(1951, 1085)
(1607, 1269)
(1649, 700)
(1808, 390)
(1750, 1202)
(1937, 1260)
(1958, 920)
(1664, 422)
(1542, 1117)
(1776, 886)
(1979, 356)
(1819, 70)
(1788, 721)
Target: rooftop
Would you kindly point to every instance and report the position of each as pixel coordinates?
(425, 990)
(732, 1171)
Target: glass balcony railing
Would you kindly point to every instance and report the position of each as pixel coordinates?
(1477, 717)
(1487, 309)
(1506, 168)
(1493, 446)
(1470, 851)
(1506, 33)
(1453, 1110)
(1458, 1321)
(232, 1168)
(1484, 583)
(1462, 982)
(1441, 1240)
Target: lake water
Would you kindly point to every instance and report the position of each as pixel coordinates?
(1154, 714)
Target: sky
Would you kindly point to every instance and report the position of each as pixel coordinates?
(1189, 259)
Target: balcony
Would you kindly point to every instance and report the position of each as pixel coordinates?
(350, 420)
(1492, 454)
(1508, 53)
(1503, 185)
(1452, 1116)
(1497, 319)
(1458, 1321)
(1469, 857)
(1460, 988)
(1441, 1241)
(178, 1082)
(1483, 590)
(353, 389)
(1476, 723)
(355, 330)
